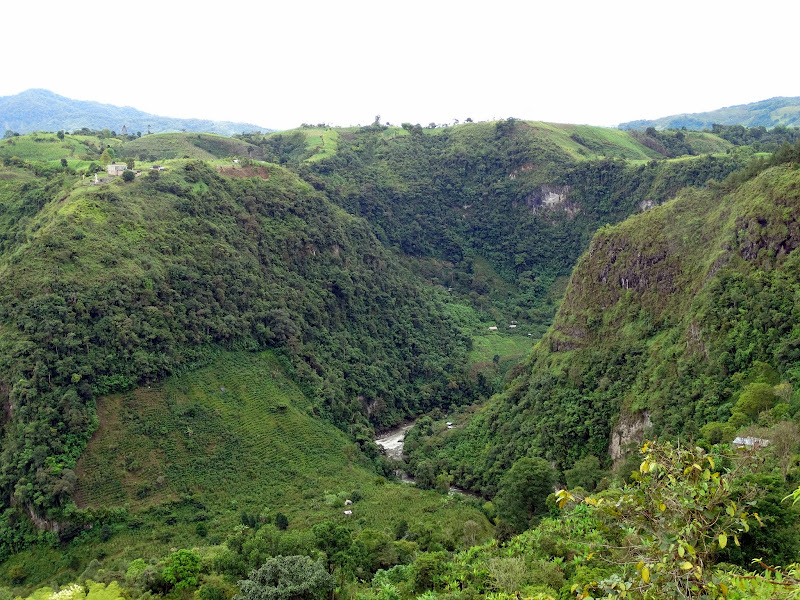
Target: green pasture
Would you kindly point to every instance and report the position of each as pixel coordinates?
(487, 345)
(323, 141)
(164, 146)
(587, 142)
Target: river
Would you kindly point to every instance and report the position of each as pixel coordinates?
(393, 441)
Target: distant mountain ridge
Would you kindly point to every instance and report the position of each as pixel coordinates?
(765, 113)
(43, 110)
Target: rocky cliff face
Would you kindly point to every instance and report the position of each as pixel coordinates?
(665, 320)
(630, 429)
(551, 197)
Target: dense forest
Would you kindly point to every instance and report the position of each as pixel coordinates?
(500, 192)
(194, 361)
(681, 321)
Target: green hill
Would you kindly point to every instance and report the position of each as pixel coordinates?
(496, 213)
(779, 111)
(151, 148)
(671, 322)
(112, 285)
(524, 197)
(196, 452)
(42, 110)
(222, 338)
(48, 149)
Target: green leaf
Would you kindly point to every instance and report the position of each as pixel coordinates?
(723, 540)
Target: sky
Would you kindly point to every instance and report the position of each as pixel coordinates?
(281, 64)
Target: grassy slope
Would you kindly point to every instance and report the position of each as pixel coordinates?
(238, 430)
(584, 142)
(768, 113)
(202, 146)
(234, 436)
(707, 143)
(581, 142)
(46, 147)
(81, 150)
(323, 141)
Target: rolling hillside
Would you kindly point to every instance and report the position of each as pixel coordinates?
(193, 351)
(112, 285)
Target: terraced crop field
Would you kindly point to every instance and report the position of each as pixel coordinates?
(239, 436)
(241, 428)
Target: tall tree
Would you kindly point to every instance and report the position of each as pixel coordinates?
(523, 492)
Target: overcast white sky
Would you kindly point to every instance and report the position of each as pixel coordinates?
(280, 64)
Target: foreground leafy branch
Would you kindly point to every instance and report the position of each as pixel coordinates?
(668, 525)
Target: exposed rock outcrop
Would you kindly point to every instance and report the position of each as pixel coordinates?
(629, 429)
(550, 197)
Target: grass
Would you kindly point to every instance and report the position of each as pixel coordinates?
(237, 435)
(587, 142)
(239, 429)
(164, 146)
(707, 143)
(44, 147)
(324, 141)
(496, 343)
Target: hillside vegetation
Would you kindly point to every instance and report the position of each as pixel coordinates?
(681, 322)
(193, 362)
(108, 286)
(188, 461)
(524, 197)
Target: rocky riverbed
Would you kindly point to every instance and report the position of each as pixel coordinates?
(393, 440)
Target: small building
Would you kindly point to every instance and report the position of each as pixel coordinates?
(115, 169)
(492, 328)
(750, 442)
(348, 512)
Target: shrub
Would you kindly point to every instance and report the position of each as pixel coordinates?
(182, 569)
(281, 521)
